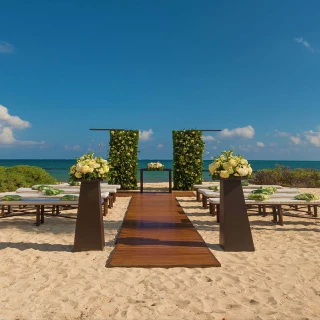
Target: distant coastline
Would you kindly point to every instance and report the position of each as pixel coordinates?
(59, 168)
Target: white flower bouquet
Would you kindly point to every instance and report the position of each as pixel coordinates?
(89, 167)
(227, 165)
(155, 166)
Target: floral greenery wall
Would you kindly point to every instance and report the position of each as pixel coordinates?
(188, 148)
(123, 158)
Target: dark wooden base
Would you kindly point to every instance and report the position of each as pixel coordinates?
(89, 233)
(235, 232)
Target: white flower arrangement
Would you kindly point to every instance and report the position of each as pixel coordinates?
(227, 165)
(155, 166)
(89, 167)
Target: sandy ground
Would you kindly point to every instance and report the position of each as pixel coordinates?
(40, 278)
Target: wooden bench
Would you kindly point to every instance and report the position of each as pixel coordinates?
(274, 203)
(40, 202)
(281, 193)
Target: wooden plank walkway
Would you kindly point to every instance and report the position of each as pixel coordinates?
(157, 233)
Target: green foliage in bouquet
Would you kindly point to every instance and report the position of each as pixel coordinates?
(12, 178)
(188, 148)
(258, 196)
(306, 197)
(74, 183)
(123, 158)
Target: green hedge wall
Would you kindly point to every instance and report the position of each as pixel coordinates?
(188, 148)
(123, 158)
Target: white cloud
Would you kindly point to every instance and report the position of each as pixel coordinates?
(160, 146)
(305, 43)
(313, 137)
(6, 136)
(12, 121)
(72, 148)
(8, 124)
(260, 144)
(295, 140)
(145, 135)
(246, 132)
(6, 47)
(281, 133)
(208, 138)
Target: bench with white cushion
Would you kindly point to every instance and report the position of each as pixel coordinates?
(40, 200)
(284, 192)
(200, 187)
(275, 203)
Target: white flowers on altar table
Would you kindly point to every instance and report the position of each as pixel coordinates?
(155, 166)
(89, 167)
(227, 165)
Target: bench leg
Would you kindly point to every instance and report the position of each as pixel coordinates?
(274, 212)
(315, 211)
(38, 214)
(198, 195)
(105, 206)
(212, 208)
(113, 195)
(218, 213)
(309, 210)
(42, 214)
(280, 215)
(204, 202)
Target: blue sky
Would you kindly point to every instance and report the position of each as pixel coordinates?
(250, 68)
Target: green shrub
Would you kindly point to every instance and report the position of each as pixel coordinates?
(284, 176)
(188, 148)
(123, 158)
(15, 177)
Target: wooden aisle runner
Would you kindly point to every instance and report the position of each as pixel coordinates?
(157, 233)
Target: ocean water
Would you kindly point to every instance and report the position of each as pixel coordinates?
(60, 168)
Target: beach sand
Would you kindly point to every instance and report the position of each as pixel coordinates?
(40, 278)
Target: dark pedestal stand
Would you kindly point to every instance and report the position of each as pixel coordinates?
(235, 232)
(89, 234)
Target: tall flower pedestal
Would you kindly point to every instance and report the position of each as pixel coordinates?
(89, 233)
(235, 232)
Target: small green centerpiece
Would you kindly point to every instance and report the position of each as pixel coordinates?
(69, 197)
(214, 188)
(258, 196)
(265, 190)
(306, 197)
(11, 198)
(42, 187)
(51, 192)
